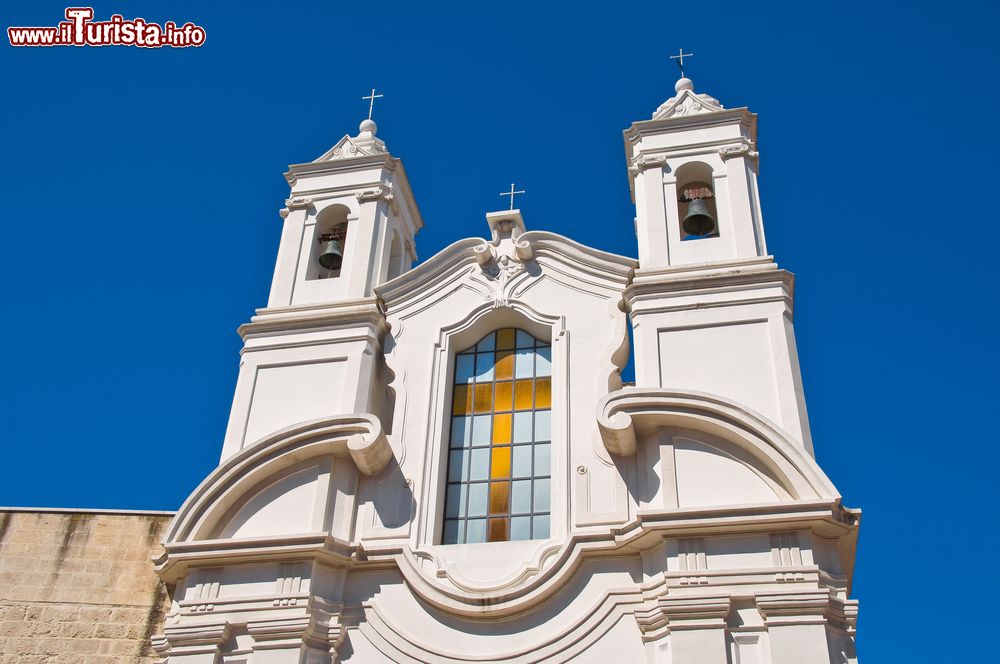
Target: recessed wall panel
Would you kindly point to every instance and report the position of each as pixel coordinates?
(287, 394)
(732, 360)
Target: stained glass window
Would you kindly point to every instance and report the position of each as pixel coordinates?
(499, 452)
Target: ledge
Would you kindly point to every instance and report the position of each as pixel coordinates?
(624, 415)
(85, 510)
(690, 279)
(340, 314)
(528, 592)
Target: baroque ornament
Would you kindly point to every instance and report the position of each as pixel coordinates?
(738, 150)
(642, 163)
(382, 192)
(687, 107)
(686, 102)
(502, 260)
(295, 203)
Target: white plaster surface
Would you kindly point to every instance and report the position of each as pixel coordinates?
(734, 359)
(286, 394)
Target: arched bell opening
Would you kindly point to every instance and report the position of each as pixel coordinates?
(696, 207)
(329, 243)
(396, 266)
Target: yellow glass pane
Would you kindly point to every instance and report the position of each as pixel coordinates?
(462, 403)
(505, 339)
(543, 393)
(499, 497)
(500, 464)
(498, 530)
(504, 397)
(484, 398)
(504, 369)
(501, 429)
(522, 395)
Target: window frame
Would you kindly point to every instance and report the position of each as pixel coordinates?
(492, 461)
(452, 340)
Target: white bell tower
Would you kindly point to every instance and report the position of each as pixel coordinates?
(711, 311)
(693, 149)
(356, 194)
(315, 351)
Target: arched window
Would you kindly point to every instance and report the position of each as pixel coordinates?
(696, 202)
(329, 247)
(395, 257)
(499, 453)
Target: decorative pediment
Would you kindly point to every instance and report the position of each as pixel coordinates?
(499, 268)
(506, 255)
(365, 144)
(686, 102)
(349, 148)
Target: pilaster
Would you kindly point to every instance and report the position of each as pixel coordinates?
(199, 643)
(296, 640)
(697, 628)
(796, 626)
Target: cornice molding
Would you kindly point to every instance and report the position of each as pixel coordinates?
(198, 639)
(655, 290)
(334, 315)
(296, 171)
(400, 189)
(526, 592)
(593, 267)
(704, 607)
(713, 268)
(427, 277)
(741, 115)
(317, 629)
(808, 607)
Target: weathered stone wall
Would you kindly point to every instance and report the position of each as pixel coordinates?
(78, 587)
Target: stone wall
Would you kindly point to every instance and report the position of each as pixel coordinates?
(78, 586)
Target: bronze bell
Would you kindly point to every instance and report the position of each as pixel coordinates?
(333, 255)
(698, 221)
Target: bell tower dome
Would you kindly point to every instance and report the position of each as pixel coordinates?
(693, 179)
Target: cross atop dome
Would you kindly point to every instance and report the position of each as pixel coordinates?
(679, 58)
(685, 100)
(512, 194)
(365, 144)
(372, 97)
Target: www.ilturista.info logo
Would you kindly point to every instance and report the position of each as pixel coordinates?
(80, 30)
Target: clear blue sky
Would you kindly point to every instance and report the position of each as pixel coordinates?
(142, 189)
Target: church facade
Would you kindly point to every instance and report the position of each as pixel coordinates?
(441, 463)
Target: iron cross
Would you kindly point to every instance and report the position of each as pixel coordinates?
(371, 105)
(512, 194)
(680, 59)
